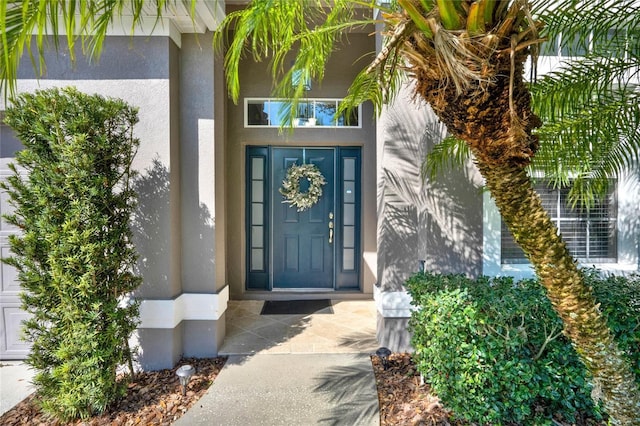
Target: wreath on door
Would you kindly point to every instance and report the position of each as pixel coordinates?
(291, 186)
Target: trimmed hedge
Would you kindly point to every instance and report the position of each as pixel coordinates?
(74, 255)
(493, 351)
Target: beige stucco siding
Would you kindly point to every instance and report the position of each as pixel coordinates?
(183, 295)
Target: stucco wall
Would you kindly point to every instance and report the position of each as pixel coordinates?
(437, 220)
(197, 159)
(138, 71)
(174, 226)
(255, 82)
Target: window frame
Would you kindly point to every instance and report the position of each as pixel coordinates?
(628, 253)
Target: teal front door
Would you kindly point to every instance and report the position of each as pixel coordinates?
(317, 249)
(303, 241)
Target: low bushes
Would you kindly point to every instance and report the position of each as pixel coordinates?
(493, 351)
(620, 302)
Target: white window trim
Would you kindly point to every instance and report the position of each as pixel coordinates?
(269, 126)
(628, 236)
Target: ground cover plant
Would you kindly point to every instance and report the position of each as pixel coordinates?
(70, 189)
(493, 351)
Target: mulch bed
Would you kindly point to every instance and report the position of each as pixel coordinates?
(154, 398)
(403, 399)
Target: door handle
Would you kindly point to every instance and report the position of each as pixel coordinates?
(330, 228)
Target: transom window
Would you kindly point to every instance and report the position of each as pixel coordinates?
(590, 234)
(311, 112)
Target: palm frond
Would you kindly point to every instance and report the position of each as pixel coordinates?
(314, 47)
(588, 25)
(16, 28)
(296, 36)
(449, 153)
(23, 22)
(366, 86)
(590, 104)
(581, 82)
(590, 147)
(271, 30)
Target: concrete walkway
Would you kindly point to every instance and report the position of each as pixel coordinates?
(262, 389)
(15, 384)
(289, 389)
(282, 370)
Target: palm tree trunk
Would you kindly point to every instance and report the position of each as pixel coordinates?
(584, 325)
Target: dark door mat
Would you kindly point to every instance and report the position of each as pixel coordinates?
(297, 307)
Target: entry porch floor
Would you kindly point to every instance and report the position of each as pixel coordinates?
(351, 328)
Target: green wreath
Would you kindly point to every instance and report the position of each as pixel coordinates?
(291, 186)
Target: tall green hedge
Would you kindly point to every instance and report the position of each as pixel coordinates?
(73, 202)
(493, 351)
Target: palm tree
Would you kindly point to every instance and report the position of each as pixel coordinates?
(466, 59)
(593, 98)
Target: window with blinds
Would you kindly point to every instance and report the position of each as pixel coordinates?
(590, 234)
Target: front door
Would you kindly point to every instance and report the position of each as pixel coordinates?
(302, 241)
(315, 249)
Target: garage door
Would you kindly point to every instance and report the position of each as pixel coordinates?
(11, 316)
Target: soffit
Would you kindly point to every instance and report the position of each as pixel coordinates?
(207, 15)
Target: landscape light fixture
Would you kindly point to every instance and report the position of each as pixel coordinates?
(184, 373)
(384, 353)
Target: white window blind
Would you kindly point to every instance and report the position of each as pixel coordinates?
(590, 234)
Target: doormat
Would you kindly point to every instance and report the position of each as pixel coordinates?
(297, 307)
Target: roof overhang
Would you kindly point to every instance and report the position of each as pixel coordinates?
(207, 15)
(177, 19)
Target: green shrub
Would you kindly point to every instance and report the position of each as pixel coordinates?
(620, 301)
(74, 254)
(493, 351)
